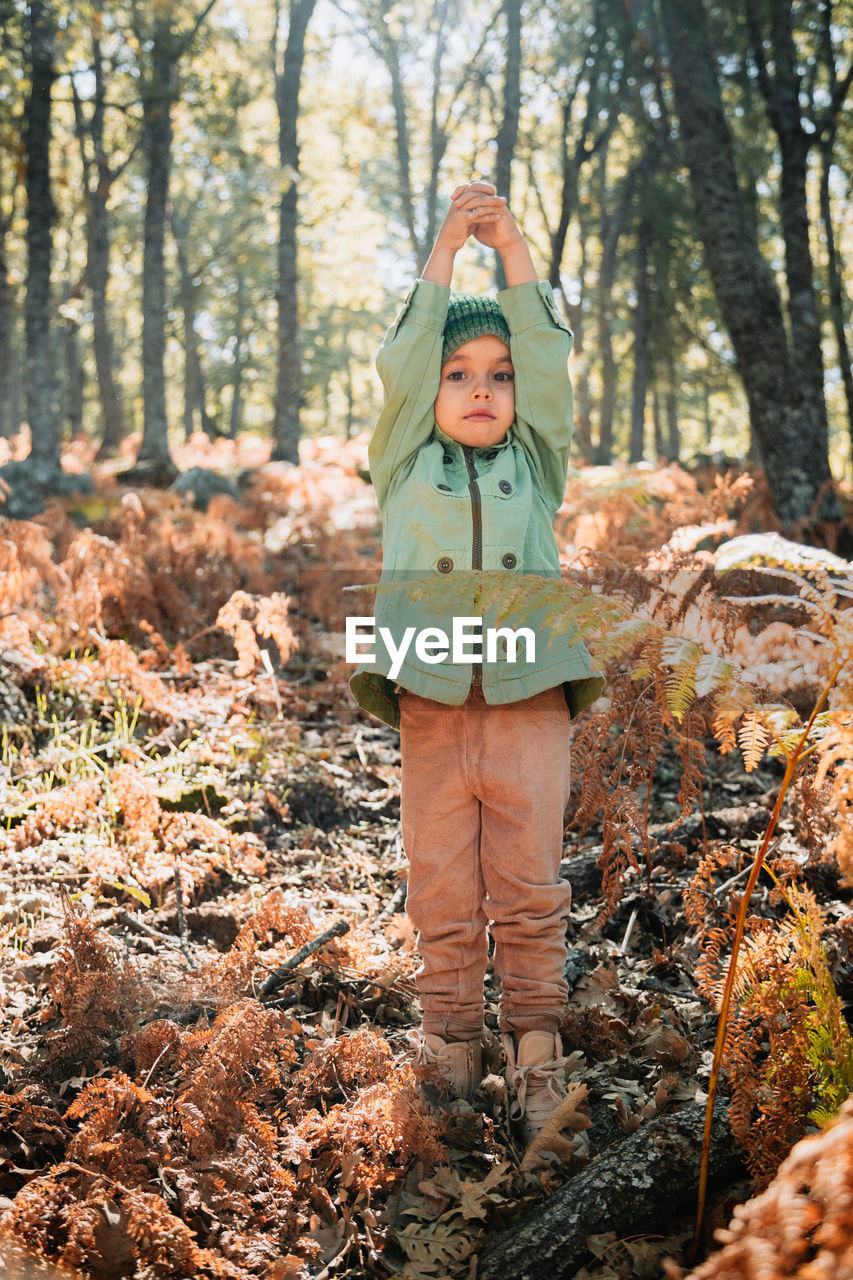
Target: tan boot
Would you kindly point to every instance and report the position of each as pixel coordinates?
(536, 1071)
(459, 1063)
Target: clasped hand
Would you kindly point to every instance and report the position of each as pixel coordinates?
(477, 210)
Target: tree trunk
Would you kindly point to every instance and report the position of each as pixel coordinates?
(8, 426)
(838, 302)
(41, 411)
(350, 393)
(577, 319)
(613, 225)
(286, 429)
(195, 400)
(657, 423)
(98, 274)
(72, 398)
(98, 179)
(508, 131)
(437, 134)
(641, 344)
(572, 161)
(633, 1185)
(706, 410)
(236, 418)
(781, 93)
(388, 49)
(665, 344)
(790, 432)
(673, 450)
(157, 100)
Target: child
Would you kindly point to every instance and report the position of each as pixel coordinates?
(469, 461)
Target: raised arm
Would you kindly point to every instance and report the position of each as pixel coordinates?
(540, 342)
(409, 360)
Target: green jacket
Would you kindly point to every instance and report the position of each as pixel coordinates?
(448, 507)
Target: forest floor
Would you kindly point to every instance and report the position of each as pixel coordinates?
(187, 1089)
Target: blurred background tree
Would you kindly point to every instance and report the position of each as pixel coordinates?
(212, 210)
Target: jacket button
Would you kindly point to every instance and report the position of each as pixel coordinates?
(447, 460)
(505, 486)
(445, 488)
(445, 564)
(509, 561)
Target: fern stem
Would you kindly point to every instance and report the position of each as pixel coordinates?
(790, 769)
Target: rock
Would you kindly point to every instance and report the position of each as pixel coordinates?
(26, 486)
(203, 484)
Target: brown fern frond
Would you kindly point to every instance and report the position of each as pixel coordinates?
(753, 737)
(94, 993)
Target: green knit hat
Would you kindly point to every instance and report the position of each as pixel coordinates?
(471, 316)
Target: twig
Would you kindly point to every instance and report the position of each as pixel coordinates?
(268, 667)
(122, 917)
(182, 923)
(395, 904)
(630, 929)
(274, 981)
(359, 750)
(732, 880)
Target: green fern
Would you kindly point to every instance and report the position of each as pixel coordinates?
(615, 632)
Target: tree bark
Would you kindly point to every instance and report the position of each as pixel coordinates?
(508, 131)
(98, 179)
(41, 411)
(673, 451)
(641, 343)
(195, 398)
(98, 275)
(790, 433)
(665, 346)
(158, 95)
(390, 53)
(612, 227)
(159, 90)
(629, 1187)
(781, 92)
(288, 80)
(657, 423)
(73, 390)
(239, 364)
(8, 426)
(577, 319)
(838, 302)
(437, 132)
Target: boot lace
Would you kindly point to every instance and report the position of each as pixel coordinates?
(546, 1084)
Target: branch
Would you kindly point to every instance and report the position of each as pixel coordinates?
(274, 981)
(187, 40)
(768, 89)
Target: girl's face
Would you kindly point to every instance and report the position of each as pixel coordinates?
(476, 397)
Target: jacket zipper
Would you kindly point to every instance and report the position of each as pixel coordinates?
(477, 544)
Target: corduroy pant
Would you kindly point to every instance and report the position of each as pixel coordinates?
(484, 791)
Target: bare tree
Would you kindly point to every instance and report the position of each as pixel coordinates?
(41, 212)
(159, 91)
(287, 68)
(99, 175)
(508, 130)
